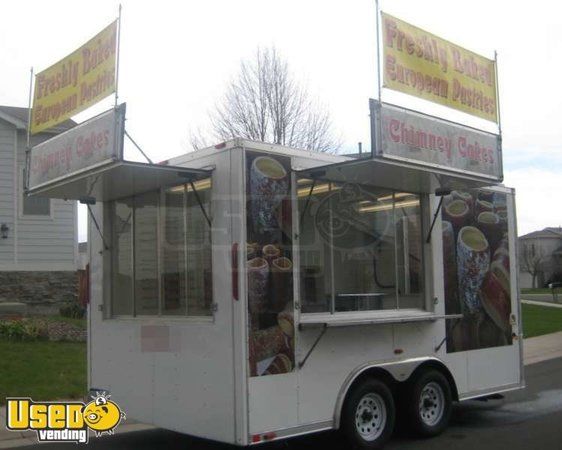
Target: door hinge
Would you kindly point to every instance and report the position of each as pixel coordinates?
(214, 307)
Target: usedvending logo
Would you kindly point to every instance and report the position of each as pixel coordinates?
(63, 421)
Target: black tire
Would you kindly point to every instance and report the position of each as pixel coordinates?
(432, 388)
(370, 404)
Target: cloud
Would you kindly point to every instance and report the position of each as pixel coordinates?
(537, 189)
(532, 156)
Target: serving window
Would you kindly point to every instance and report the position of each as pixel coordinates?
(161, 252)
(360, 248)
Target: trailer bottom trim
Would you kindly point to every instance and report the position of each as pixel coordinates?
(498, 390)
(291, 432)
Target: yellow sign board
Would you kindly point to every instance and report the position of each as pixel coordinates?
(76, 82)
(421, 64)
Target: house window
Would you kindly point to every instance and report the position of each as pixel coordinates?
(34, 206)
(161, 252)
(360, 248)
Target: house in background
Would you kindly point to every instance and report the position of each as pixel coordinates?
(38, 236)
(540, 257)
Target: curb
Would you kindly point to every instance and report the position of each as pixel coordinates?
(537, 303)
(21, 442)
(542, 348)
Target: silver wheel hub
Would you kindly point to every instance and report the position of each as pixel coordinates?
(432, 404)
(370, 416)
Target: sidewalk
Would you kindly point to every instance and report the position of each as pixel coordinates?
(541, 348)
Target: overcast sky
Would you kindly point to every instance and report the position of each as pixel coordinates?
(177, 57)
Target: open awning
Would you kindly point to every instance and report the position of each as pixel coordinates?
(117, 179)
(395, 175)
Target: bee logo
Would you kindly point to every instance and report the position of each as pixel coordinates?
(102, 415)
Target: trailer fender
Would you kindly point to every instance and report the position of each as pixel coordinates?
(393, 373)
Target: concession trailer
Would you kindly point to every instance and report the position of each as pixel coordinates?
(250, 292)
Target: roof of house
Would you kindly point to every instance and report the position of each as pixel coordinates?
(548, 232)
(18, 117)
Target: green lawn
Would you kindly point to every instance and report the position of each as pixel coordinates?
(42, 370)
(538, 320)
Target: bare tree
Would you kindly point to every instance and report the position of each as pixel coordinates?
(532, 259)
(265, 103)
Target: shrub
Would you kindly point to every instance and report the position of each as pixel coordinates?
(23, 330)
(555, 278)
(72, 310)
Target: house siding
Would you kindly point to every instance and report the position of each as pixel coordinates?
(7, 215)
(38, 259)
(45, 243)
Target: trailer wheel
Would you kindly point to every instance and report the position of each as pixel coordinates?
(428, 404)
(368, 415)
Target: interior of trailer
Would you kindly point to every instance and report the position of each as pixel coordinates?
(360, 247)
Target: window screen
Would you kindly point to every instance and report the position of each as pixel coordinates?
(121, 257)
(146, 253)
(161, 252)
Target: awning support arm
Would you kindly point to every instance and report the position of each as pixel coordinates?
(322, 333)
(105, 246)
(307, 201)
(449, 334)
(433, 221)
(440, 192)
(138, 147)
(207, 218)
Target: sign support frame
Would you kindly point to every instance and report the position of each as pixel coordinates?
(379, 73)
(500, 138)
(117, 57)
(497, 93)
(28, 137)
(376, 133)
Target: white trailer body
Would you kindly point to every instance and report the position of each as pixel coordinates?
(185, 336)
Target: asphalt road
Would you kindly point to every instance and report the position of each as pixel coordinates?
(527, 419)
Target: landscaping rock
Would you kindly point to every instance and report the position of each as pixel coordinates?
(43, 292)
(12, 310)
(62, 331)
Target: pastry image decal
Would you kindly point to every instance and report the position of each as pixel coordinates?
(269, 184)
(482, 288)
(269, 265)
(457, 213)
(281, 279)
(258, 278)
